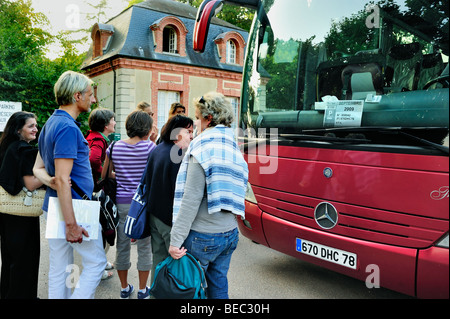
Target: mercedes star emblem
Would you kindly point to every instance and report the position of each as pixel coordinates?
(326, 215)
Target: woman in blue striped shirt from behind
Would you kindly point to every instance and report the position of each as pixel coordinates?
(209, 194)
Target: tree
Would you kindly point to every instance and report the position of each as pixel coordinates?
(20, 45)
(350, 35)
(240, 17)
(26, 74)
(100, 8)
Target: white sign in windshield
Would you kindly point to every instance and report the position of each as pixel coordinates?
(347, 113)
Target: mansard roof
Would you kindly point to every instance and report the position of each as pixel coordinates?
(133, 37)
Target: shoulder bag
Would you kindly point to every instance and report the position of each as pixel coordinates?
(109, 216)
(136, 223)
(182, 278)
(26, 203)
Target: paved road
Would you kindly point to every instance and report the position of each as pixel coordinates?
(256, 272)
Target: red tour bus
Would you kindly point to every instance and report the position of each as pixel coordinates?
(344, 123)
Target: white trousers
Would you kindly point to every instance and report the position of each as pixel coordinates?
(64, 275)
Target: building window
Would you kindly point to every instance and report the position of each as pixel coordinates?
(169, 40)
(101, 35)
(230, 47)
(169, 36)
(97, 44)
(235, 106)
(231, 52)
(165, 100)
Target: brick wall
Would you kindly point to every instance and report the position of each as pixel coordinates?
(161, 76)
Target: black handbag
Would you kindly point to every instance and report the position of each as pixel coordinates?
(109, 216)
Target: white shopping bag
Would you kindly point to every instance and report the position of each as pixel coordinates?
(87, 215)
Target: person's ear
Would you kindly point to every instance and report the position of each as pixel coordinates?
(209, 119)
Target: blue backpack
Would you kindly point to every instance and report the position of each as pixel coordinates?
(182, 278)
(137, 225)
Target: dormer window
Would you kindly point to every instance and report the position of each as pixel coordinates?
(231, 52)
(169, 40)
(101, 35)
(230, 47)
(169, 36)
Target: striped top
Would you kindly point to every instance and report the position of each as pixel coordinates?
(225, 169)
(129, 163)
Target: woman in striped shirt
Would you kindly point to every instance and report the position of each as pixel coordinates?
(128, 163)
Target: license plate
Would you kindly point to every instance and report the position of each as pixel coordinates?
(337, 256)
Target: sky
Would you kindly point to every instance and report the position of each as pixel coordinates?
(71, 15)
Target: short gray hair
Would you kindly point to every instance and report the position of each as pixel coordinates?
(216, 105)
(68, 84)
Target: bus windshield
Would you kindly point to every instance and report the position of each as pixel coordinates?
(319, 67)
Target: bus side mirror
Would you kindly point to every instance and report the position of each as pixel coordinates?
(205, 12)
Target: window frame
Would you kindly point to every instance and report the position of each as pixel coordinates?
(231, 52)
(171, 42)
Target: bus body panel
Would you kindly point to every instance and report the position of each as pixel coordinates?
(383, 167)
(392, 230)
(396, 264)
(433, 273)
(402, 183)
(254, 229)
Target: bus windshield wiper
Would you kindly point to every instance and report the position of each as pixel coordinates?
(439, 147)
(398, 130)
(319, 138)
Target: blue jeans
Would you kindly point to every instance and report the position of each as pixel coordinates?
(213, 251)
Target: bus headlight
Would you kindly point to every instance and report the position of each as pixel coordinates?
(443, 242)
(249, 195)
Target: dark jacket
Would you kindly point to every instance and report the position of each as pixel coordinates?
(18, 162)
(161, 177)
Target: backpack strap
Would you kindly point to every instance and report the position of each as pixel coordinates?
(110, 159)
(78, 190)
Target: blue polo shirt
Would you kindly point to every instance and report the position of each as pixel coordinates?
(61, 137)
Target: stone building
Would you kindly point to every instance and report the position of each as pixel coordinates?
(145, 54)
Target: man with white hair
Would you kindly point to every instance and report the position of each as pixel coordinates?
(64, 153)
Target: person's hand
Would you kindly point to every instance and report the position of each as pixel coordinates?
(154, 133)
(74, 233)
(176, 252)
(52, 183)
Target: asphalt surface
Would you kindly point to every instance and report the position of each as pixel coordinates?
(256, 272)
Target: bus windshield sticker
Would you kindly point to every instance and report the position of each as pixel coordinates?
(343, 113)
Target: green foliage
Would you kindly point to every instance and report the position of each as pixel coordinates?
(20, 44)
(350, 35)
(281, 63)
(26, 74)
(240, 17)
